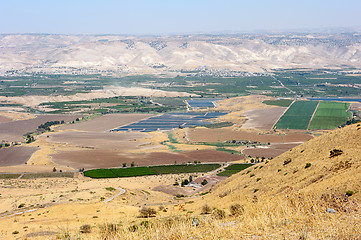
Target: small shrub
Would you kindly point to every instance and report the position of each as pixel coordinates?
(252, 175)
(86, 228)
(219, 214)
(258, 179)
(335, 152)
(260, 167)
(279, 170)
(287, 161)
(21, 205)
(255, 190)
(147, 212)
(108, 229)
(15, 232)
(248, 171)
(133, 228)
(236, 209)
(349, 193)
(110, 189)
(308, 165)
(295, 171)
(204, 182)
(206, 209)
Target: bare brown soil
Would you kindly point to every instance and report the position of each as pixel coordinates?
(4, 119)
(104, 140)
(221, 135)
(13, 131)
(15, 155)
(263, 118)
(106, 122)
(106, 158)
(273, 151)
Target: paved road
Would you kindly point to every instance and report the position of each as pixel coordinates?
(121, 191)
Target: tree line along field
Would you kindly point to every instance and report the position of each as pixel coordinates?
(297, 116)
(330, 115)
(150, 170)
(326, 115)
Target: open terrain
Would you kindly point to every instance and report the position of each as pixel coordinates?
(14, 130)
(166, 54)
(105, 159)
(187, 112)
(15, 155)
(266, 195)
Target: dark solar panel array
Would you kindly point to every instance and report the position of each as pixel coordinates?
(169, 121)
(202, 103)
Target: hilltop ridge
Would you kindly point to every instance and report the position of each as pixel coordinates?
(212, 55)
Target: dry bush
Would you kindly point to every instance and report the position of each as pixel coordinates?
(108, 230)
(236, 209)
(146, 212)
(86, 228)
(219, 214)
(206, 209)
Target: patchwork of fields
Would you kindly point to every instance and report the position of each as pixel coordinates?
(314, 115)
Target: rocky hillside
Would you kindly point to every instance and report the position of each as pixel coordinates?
(230, 54)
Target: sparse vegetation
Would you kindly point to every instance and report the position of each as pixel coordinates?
(86, 228)
(206, 209)
(146, 212)
(308, 165)
(349, 193)
(236, 209)
(219, 213)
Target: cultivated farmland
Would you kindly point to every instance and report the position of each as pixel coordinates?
(330, 115)
(152, 170)
(234, 168)
(297, 116)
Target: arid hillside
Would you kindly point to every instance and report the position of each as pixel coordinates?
(219, 55)
(310, 192)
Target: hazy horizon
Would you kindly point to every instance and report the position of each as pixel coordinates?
(177, 17)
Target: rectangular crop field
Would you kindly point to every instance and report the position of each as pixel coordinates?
(330, 115)
(234, 168)
(297, 116)
(152, 170)
(279, 102)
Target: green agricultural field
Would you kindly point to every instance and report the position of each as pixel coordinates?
(280, 102)
(297, 116)
(330, 115)
(151, 170)
(234, 168)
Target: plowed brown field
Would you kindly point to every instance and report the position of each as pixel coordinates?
(105, 159)
(15, 155)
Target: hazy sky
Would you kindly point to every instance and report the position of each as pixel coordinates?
(174, 16)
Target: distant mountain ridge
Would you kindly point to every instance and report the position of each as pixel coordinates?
(232, 54)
